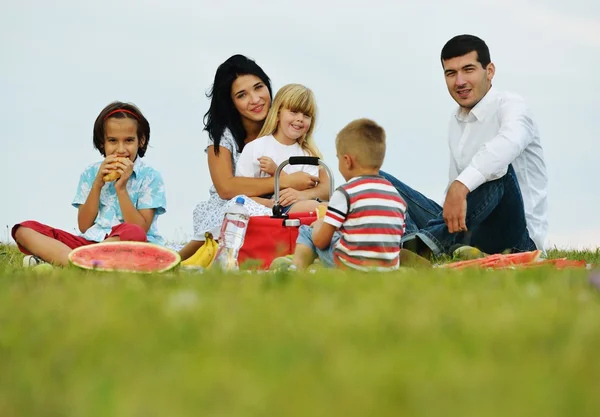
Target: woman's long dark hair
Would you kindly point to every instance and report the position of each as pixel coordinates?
(222, 114)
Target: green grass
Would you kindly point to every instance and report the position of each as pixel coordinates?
(435, 343)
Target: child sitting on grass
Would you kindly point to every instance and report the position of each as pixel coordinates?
(364, 221)
(119, 198)
(287, 132)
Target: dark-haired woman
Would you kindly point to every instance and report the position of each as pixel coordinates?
(240, 100)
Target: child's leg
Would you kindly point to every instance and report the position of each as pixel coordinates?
(304, 206)
(326, 255)
(303, 256)
(305, 252)
(51, 245)
(127, 232)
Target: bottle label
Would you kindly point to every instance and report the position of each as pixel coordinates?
(237, 223)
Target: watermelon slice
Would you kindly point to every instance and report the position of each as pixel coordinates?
(498, 260)
(560, 263)
(125, 257)
(472, 262)
(513, 259)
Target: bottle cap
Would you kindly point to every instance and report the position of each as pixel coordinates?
(240, 200)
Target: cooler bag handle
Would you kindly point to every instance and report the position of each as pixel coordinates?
(298, 160)
(303, 160)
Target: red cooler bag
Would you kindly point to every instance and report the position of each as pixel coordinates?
(268, 238)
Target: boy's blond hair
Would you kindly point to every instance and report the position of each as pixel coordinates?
(296, 98)
(364, 140)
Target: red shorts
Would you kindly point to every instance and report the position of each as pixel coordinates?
(125, 231)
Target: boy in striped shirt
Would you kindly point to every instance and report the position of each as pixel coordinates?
(365, 217)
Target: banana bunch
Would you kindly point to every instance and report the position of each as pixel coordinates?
(204, 256)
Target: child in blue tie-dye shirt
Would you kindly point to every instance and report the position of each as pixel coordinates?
(123, 209)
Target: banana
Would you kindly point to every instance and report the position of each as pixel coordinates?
(195, 258)
(215, 246)
(205, 255)
(208, 254)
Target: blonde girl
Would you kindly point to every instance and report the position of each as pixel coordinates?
(287, 131)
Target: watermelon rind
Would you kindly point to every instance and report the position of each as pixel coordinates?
(73, 256)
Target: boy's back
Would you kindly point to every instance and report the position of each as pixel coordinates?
(369, 213)
(364, 222)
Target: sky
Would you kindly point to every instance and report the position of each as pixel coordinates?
(63, 61)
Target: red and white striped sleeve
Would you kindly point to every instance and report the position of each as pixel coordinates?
(337, 210)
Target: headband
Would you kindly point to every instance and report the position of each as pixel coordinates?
(121, 111)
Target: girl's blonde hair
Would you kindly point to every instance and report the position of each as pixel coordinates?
(295, 98)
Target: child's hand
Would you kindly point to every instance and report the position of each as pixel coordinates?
(106, 167)
(125, 168)
(290, 196)
(298, 180)
(267, 165)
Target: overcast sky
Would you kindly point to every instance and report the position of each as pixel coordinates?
(62, 61)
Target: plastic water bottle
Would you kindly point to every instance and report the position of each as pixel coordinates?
(231, 237)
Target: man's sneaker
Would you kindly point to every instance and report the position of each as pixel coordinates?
(30, 261)
(466, 252)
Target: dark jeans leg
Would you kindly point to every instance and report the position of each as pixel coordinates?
(420, 211)
(495, 219)
(504, 227)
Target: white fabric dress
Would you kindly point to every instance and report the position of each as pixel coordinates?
(208, 215)
(248, 166)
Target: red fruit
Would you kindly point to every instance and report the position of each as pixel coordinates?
(125, 257)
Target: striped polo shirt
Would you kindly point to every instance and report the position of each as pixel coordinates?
(371, 223)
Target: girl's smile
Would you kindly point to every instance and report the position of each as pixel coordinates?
(292, 126)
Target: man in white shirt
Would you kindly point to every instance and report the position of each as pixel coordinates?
(496, 199)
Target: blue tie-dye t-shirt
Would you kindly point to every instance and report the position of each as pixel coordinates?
(145, 188)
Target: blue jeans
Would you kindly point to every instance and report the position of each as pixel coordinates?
(325, 255)
(495, 218)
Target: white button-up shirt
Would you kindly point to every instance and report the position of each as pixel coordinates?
(499, 131)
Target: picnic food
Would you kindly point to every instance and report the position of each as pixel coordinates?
(321, 210)
(114, 175)
(498, 260)
(204, 256)
(125, 256)
(111, 176)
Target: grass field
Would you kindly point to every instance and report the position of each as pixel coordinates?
(434, 343)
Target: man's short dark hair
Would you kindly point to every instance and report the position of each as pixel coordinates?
(463, 44)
